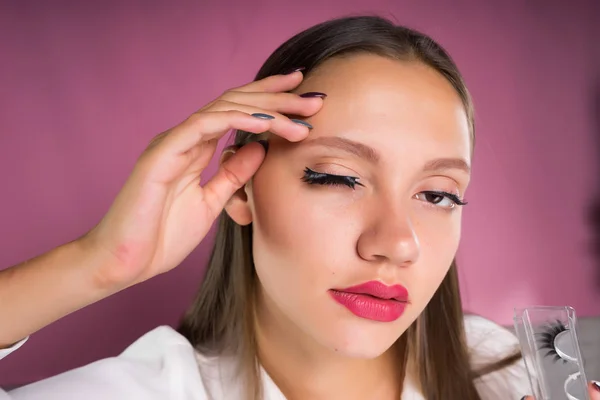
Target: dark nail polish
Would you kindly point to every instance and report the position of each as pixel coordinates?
(596, 385)
(304, 123)
(523, 398)
(263, 116)
(264, 144)
(292, 70)
(313, 94)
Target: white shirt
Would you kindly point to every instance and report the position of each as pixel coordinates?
(162, 364)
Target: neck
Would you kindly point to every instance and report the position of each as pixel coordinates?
(303, 369)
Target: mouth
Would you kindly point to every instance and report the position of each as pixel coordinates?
(373, 300)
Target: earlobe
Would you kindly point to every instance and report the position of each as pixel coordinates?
(237, 207)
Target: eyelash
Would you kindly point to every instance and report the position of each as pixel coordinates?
(546, 340)
(319, 178)
(452, 197)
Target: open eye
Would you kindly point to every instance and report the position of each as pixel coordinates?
(441, 199)
(319, 178)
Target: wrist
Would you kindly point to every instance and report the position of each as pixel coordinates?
(48, 287)
(96, 263)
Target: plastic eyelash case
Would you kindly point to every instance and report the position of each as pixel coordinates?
(548, 339)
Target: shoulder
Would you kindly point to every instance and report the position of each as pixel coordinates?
(487, 340)
(488, 343)
(160, 364)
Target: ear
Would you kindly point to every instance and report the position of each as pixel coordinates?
(237, 207)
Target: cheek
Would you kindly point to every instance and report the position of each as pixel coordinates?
(293, 232)
(282, 221)
(439, 236)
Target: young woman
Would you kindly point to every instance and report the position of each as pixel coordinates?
(333, 273)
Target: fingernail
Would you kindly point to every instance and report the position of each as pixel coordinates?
(304, 123)
(264, 144)
(292, 70)
(263, 116)
(523, 398)
(313, 94)
(596, 385)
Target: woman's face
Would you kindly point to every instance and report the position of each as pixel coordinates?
(400, 131)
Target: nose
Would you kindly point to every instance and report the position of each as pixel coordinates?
(390, 237)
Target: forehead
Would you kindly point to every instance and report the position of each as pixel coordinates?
(395, 106)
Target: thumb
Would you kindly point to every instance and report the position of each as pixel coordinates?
(594, 389)
(232, 174)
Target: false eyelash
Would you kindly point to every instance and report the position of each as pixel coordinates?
(454, 198)
(546, 340)
(318, 178)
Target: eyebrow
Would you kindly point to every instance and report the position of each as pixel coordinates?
(447, 163)
(347, 145)
(370, 154)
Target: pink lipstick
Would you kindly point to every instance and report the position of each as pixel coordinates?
(373, 300)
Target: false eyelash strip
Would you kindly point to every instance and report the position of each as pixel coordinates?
(546, 340)
(319, 178)
(550, 348)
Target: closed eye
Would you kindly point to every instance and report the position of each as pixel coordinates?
(319, 178)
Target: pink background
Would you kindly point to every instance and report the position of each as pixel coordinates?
(84, 87)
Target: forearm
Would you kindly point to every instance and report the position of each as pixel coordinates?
(46, 288)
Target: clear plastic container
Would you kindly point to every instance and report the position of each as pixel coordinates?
(548, 339)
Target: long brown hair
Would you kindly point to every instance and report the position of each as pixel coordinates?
(221, 319)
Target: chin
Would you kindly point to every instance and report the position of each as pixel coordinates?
(360, 339)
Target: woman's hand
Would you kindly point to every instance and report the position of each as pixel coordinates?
(593, 388)
(162, 212)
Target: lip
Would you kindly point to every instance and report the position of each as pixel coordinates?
(373, 300)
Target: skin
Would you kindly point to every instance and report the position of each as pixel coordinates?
(386, 230)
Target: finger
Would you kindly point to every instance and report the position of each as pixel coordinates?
(281, 125)
(231, 176)
(274, 83)
(206, 126)
(285, 103)
(594, 389)
(201, 157)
